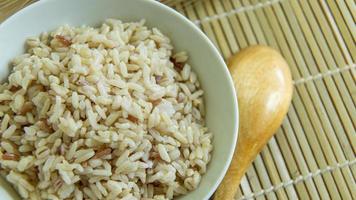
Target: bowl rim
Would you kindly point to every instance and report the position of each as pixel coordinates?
(221, 61)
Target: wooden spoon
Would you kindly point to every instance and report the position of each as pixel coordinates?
(264, 86)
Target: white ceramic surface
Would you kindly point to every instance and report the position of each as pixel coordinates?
(220, 97)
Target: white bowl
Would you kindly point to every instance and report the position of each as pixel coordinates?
(220, 97)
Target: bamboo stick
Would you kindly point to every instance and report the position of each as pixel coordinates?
(264, 176)
(299, 166)
(226, 27)
(291, 164)
(220, 37)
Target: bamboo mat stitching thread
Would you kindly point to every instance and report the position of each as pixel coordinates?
(236, 11)
(299, 179)
(325, 74)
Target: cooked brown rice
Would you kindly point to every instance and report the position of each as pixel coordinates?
(103, 113)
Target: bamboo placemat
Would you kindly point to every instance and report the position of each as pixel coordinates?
(312, 156)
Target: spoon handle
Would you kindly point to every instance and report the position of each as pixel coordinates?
(227, 188)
